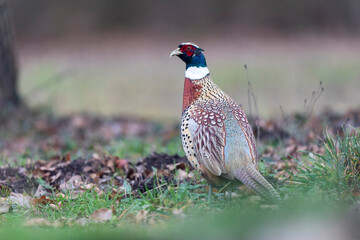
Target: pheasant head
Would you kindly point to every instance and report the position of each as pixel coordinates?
(194, 59)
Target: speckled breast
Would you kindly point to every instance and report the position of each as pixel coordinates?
(187, 140)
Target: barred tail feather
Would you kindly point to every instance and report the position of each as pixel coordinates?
(255, 181)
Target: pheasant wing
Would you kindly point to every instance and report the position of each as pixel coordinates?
(246, 128)
(208, 133)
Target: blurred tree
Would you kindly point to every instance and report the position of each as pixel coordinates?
(8, 71)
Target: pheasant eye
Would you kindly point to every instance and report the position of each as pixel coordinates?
(188, 48)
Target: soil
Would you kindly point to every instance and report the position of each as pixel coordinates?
(103, 172)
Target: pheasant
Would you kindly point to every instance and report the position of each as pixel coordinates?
(216, 136)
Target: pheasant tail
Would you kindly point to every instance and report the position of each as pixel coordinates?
(255, 181)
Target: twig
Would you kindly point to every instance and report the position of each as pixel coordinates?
(310, 107)
(285, 119)
(248, 91)
(283, 114)
(344, 123)
(122, 214)
(251, 94)
(224, 187)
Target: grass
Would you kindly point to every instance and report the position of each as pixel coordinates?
(325, 187)
(135, 148)
(337, 171)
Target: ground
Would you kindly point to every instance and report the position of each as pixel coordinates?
(85, 173)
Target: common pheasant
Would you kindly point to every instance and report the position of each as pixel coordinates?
(216, 136)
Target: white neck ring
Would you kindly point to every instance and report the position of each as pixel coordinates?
(194, 73)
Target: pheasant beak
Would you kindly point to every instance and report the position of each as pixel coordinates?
(176, 52)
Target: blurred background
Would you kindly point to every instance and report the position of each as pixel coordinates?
(112, 57)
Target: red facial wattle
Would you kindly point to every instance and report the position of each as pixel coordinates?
(188, 50)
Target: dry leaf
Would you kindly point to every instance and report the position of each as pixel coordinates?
(179, 213)
(88, 186)
(254, 198)
(82, 221)
(271, 207)
(42, 201)
(110, 164)
(67, 158)
(121, 164)
(4, 206)
(75, 182)
(115, 194)
(58, 223)
(33, 222)
(141, 215)
(182, 175)
(113, 209)
(233, 194)
(180, 165)
(20, 200)
(36, 222)
(40, 191)
(53, 206)
(122, 214)
(101, 215)
(55, 177)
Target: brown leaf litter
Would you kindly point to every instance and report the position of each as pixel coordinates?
(102, 215)
(94, 173)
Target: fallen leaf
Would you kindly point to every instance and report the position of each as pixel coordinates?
(115, 194)
(88, 186)
(163, 172)
(58, 223)
(42, 201)
(356, 194)
(82, 221)
(180, 165)
(254, 198)
(113, 209)
(179, 213)
(33, 222)
(121, 164)
(141, 216)
(19, 200)
(40, 191)
(101, 215)
(110, 164)
(183, 175)
(233, 194)
(122, 214)
(53, 206)
(67, 158)
(75, 182)
(55, 177)
(271, 207)
(4, 206)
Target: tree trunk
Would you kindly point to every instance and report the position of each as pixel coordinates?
(8, 71)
